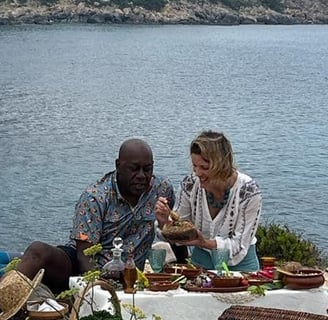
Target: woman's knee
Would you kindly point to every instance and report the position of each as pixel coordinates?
(39, 250)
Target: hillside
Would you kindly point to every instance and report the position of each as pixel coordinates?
(212, 12)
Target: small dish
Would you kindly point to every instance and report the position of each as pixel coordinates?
(163, 286)
(268, 261)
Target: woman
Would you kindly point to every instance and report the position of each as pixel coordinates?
(223, 203)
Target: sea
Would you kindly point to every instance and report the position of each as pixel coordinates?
(70, 94)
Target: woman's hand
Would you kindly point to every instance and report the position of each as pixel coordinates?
(200, 241)
(162, 211)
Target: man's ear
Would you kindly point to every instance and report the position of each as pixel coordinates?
(117, 164)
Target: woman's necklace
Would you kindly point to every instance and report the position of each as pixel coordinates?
(217, 204)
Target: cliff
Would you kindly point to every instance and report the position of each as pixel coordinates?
(211, 12)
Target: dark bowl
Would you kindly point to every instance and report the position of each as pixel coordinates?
(304, 279)
(225, 282)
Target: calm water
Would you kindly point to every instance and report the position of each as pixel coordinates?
(70, 94)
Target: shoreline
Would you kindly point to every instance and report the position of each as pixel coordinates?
(181, 12)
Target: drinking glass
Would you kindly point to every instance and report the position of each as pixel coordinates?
(218, 257)
(157, 259)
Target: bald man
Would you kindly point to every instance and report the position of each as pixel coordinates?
(120, 204)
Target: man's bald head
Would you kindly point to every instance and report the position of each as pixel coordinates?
(132, 146)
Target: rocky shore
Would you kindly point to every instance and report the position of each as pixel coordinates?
(174, 12)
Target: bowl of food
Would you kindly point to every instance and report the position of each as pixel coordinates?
(163, 285)
(225, 281)
(179, 230)
(305, 278)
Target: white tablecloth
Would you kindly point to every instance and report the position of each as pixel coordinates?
(180, 304)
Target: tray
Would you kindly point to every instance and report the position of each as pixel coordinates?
(227, 289)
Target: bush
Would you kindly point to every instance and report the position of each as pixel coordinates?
(280, 242)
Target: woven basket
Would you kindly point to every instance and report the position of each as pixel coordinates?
(258, 313)
(105, 286)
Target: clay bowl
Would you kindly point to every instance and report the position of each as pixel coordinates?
(225, 282)
(154, 277)
(304, 279)
(182, 269)
(163, 286)
(49, 315)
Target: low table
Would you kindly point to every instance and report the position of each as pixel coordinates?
(180, 304)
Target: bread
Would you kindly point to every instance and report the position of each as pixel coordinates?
(179, 230)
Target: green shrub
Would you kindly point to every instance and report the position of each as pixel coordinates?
(280, 242)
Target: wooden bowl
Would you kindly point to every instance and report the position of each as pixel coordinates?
(225, 282)
(163, 286)
(155, 277)
(49, 315)
(304, 279)
(183, 269)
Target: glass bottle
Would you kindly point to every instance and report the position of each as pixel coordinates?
(130, 274)
(114, 269)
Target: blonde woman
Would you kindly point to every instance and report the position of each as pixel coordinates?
(223, 203)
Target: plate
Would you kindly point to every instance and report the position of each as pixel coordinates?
(49, 315)
(227, 289)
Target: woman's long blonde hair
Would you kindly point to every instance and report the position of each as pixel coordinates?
(215, 148)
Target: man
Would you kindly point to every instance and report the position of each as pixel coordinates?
(121, 204)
